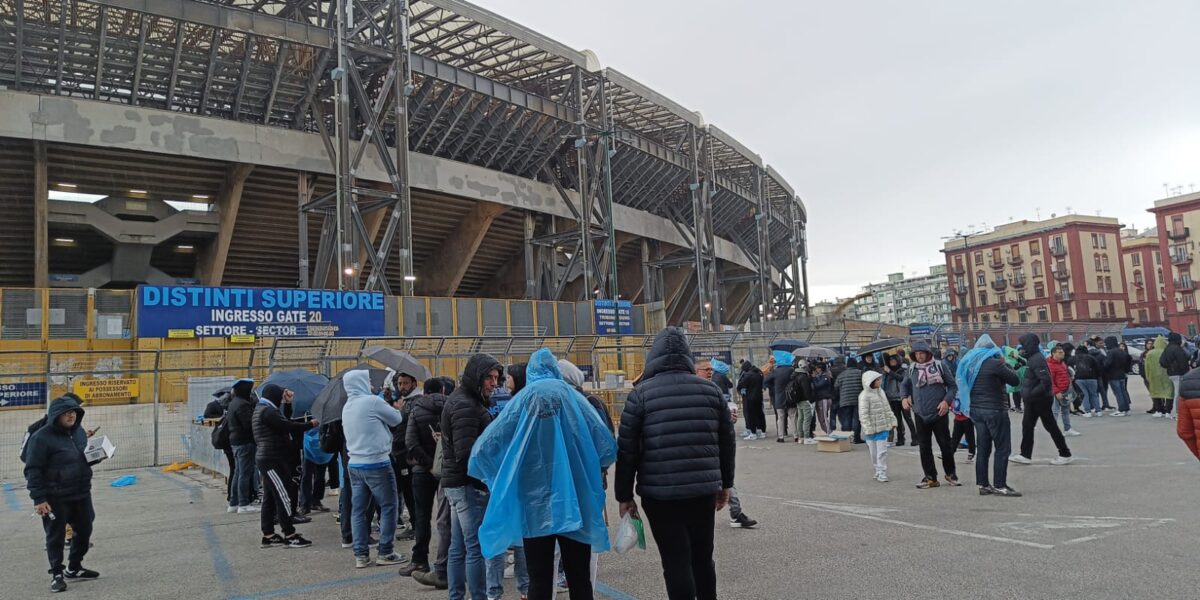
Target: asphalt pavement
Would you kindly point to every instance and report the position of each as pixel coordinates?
(1119, 523)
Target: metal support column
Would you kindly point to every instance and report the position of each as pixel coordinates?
(699, 191)
(762, 224)
(531, 263)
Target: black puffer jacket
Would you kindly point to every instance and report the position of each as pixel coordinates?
(273, 431)
(1174, 359)
(676, 434)
(463, 419)
(822, 386)
(1036, 386)
(55, 468)
(216, 409)
(425, 418)
(1118, 364)
(848, 386)
(989, 391)
(1189, 386)
(750, 386)
(1085, 365)
(241, 415)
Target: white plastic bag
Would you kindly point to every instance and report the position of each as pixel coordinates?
(627, 535)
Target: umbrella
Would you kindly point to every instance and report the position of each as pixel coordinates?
(400, 362)
(329, 403)
(305, 384)
(787, 345)
(882, 345)
(814, 352)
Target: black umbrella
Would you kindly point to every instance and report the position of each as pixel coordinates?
(400, 362)
(882, 345)
(329, 403)
(306, 386)
(788, 345)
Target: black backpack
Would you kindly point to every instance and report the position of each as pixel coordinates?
(220, 434)
(799, 388)
(331, 437)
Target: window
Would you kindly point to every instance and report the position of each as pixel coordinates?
(1058, 242)
(1039, 290)
(1023, 317)
(1191, 330)
(1020, 297)
(1043, 315)
(978, 258)
(980, 279)
(982, 298)
(1103, 310)
(996, 259)
(1108, 284)
(1112, 309)
(1066, 311)
(987, 318)
(1189, 301)
(1096, 258)
(1015, 250)
(1095, 241)
(1037, 268)
(1137, 278)
(958, 265)
(1157, 258)
(1099, 283)
(1103, 242)
(1137, 259)
(1035, 248)
(1177, 227)
(1143, 316)
(1141, 295)
(1104, 262)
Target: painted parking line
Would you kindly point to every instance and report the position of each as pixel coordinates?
(601, 587)
(11, 499)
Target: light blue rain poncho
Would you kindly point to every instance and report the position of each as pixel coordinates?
(541, 459)
(968, 370)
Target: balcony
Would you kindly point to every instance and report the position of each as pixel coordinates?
(961, 310)
(1058, 251)
(1184, 285)
(1137, 283)
(1016, 261)
(1064, 296)
(1022, 303)
(1062, 275)
(1002, 304)
(962, 290)
(1181, 260)
(995, 264)
(1177, 235)
(959, 270)
(1018, 282)
(1000, 285)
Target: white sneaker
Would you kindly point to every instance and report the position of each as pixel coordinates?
(231, 509)
(1017, 458)
(1157, 415)
(248, 509)
(749, 435)
(1072, 432)
(1063, 460)
(762, 435)
(809, 442)
(1088, 415)
(1118, 414)
(1108, 409)
(882, 478)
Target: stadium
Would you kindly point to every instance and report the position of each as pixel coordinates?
(253, 143)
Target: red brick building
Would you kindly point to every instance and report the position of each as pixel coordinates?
(1142, 259)
(1176, 217)
(1061, 269)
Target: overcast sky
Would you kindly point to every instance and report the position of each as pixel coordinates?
(901, 122)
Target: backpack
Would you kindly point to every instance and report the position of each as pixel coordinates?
(220, 434)
(796, 390)
(331, 437)
(33, 428)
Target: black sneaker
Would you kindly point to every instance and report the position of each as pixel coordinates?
(296, 541)
(986, 490)
(273, 541)
(431, 579)
(318, 507)
(742, 522)
(80, 573)
(779, 440)
(914, 443)
(406, 534)
(301, 512)
(57, 583)
(411, 568)
(928, 483)
(301, 519)
(1007, 491)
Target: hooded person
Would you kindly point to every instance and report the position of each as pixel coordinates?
(877, 420)
(847, 387)
(240, 413)
(1013, 357)
(777, 383)
(1117, 367)
(59, 479)
(273, 439)
(367, 422)
(750, 387)
(822, 390)
(929, 391)
(1175, 360)
(1037, 391)
(983, 377)
(867, 362)
(541, 459)
(893, 376)
(419, 430)
(1157, 381)
(676, 441)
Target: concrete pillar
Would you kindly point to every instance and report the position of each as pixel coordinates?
(41, 217)
(449, 264)
(212, 267)
(630, 280)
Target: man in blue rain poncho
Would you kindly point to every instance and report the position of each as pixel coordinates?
(982, 377)
(541, 458)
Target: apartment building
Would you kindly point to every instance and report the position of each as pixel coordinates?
(901, 300)
(1144, 277)
(1065, 268)
(1176, 217)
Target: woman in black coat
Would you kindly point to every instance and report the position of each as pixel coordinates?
(750, 386)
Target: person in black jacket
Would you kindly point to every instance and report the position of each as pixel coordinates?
(463, 419)
(848, 386)
(676, 440)
(423, 422)
(1087, 378)
(893, 376)
(400, 396)
(1117, 367)
(777, 383)
(273, 438)
(241, 440)
(1175, 360)
(989, 412)
(215, 410)
(750, 386)
(1037, 392)
(59, 480)
(822, 388)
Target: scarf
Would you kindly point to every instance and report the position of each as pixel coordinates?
(928, 373)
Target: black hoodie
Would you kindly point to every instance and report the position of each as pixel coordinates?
(1174, 359)
(676, 435)
(1118, 364)
(1036, 386)
(463, 419)
(55, 468)
(272, 429)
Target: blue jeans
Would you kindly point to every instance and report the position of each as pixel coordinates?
(465, 567)
(993, 430)
(495, 573)
(1091, 394)
(1063, 410)
(1120, 389)
(379, 484)
(243, 475)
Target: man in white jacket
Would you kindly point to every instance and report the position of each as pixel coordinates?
(367, 421)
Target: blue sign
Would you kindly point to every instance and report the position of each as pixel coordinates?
(23, 394)
(920, 329)
(263, 312)
(724, 356)
(614, 317)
